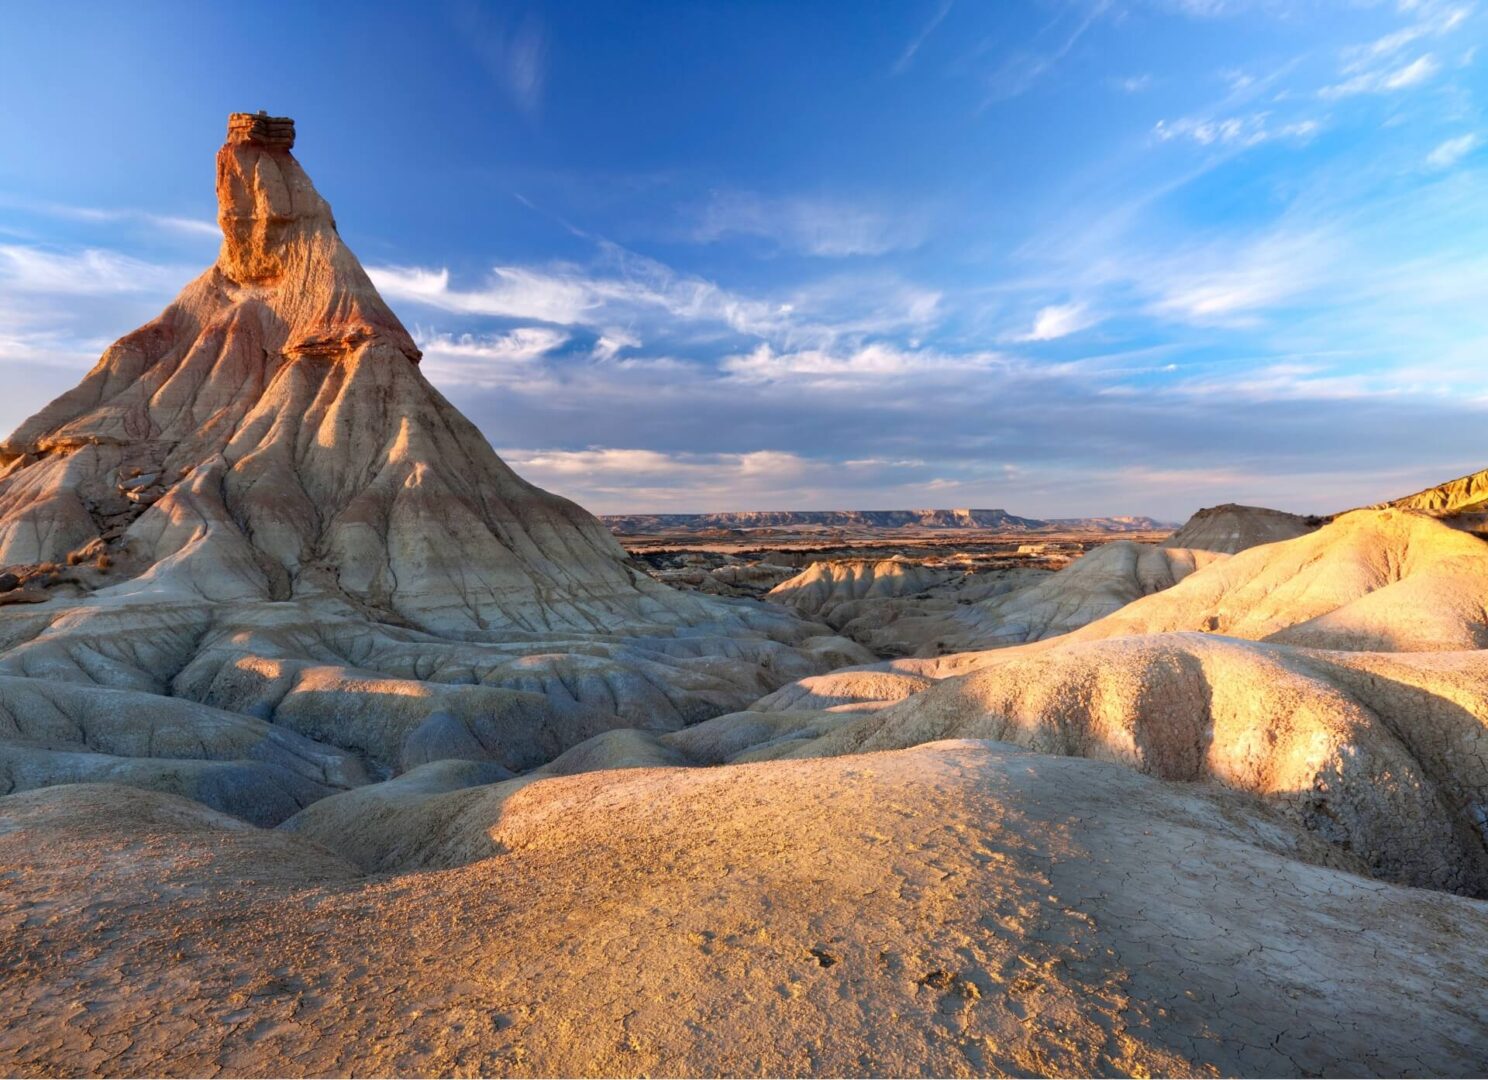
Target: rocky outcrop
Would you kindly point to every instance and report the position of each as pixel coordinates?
(1232, 528)
(1339, 675)
(1463, 502)
(1385, 756)
(898, 608)
(257, 502)
(1373, 579)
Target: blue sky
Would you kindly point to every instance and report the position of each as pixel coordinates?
(1062, 256)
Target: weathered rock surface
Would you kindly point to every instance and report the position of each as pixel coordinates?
(1384, 755)
(898, 608)
(1372, 579)
(1231, 528)
(1340, 675)
(955, 909)
(258, 503)
(1463, 502)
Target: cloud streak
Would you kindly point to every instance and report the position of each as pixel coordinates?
(830, 228)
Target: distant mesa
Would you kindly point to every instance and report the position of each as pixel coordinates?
(635, 524)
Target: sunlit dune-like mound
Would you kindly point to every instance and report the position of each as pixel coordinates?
(896, 607)
(1372, 579)
(901, 608)
(256, 502)
(1358, 706)
(1463, 502)
(955, 909)
(1384, 755)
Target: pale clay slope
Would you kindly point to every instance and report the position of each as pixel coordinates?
(898, 608)
(954, 909)
(296, 527)
(1382, 752)
(902, 609)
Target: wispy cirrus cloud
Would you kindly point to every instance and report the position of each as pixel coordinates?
(1450, 151)
(627, 297)
(828, 227)
(1018, 74)
(91, 271)
(1059, 320)
(1235, 131)
(906, 58)
(513, 48)
(480, 360)
(860, 366)
(1385, 81)
(196, 228)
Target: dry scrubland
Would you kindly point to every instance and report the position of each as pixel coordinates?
(330, 745)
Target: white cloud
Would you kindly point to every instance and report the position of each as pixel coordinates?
(485, 360)
(1237, 131)
(1134, 84)
(830, 228)
(1385, 81)
(612, 341)
(1228, 285)
(1452, 151)
(1059, 320)
(509, 292)
(88, 272)
(871, 362)
(1437, 20)
(524, 344)
(907, 56)
(621, 480)
(1414, 73)
(626, 287)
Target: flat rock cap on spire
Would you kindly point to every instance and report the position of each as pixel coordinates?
(261, 129)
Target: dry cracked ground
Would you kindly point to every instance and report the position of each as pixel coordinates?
(329, 745)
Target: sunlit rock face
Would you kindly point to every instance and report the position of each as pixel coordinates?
(258, 503)
(1340, 675)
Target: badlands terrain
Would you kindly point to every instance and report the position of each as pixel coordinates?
(330, 745)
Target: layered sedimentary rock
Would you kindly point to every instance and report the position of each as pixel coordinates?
(1463, 502)
(1340, 675)
(1232, 528)
(898, 608)
(257, 502)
